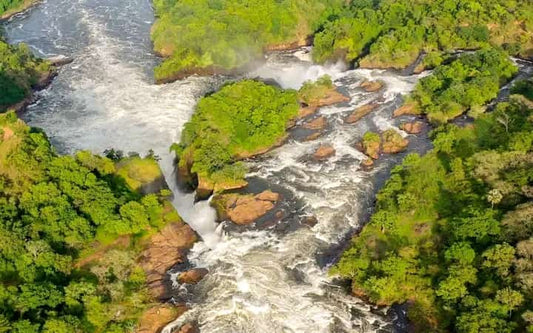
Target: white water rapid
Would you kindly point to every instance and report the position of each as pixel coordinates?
(259, 281)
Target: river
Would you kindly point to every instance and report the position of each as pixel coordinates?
(268, 280)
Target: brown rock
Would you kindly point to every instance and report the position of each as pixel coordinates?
(332, 97)
(406, 109)
(313, 136)
(368, 162)
(268, 196)
(393, 142)
(310, 221)
(306, 111)
(192, 276)
(244, 209)
(371, 145)
(371, 86)
(164, 250)
(157, 317)
(188, 328)
(360, 112)
(323, 152)
(316, 124)
(205, 188)
(412, 128)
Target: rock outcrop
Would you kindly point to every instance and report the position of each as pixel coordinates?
(414, 127)
(188, 328)
(371, 86)
(360, 112)
(157, 317)
(244, 209)
(323, 152)
(393, 142)
(319, 123)
(165, 249)
(371, 145)
(407, 109)
(192, 276)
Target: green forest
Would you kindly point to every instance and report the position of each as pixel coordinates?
(239, 120)
(19, 72)
(393, 33)
(465, 84)
(210, 35)
(228, 34)
(56, 214)
(452, 232)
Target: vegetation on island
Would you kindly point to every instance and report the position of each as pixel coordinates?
(19, 72)
(240, 120)
(452, 234)
(465, 84)
(71, 229)
(393, 33)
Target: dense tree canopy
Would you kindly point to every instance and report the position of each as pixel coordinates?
(19, 71)
(392, 33)
(240, 120)
(467, 83)
(228, 34)
(452, 232)
(56, 212)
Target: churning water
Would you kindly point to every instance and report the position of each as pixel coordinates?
(260, 280)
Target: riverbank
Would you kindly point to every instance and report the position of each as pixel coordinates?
(25, 5)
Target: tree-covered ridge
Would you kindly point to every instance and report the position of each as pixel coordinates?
(8, 7)
(19, 72)
(392, 33)
(467, 83)
(240, 120)
(227, 34)
(56, 214)
(452, 232)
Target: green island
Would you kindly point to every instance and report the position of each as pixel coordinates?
(240, 120)
(465, 84)
(72, 231)
(451, 234)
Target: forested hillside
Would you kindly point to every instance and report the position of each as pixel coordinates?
(10, 7)
(392, 33)
(19, 72)
(71, 229)
(217, 36)
(207, 35)
(452, 232)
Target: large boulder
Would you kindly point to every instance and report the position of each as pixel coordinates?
(164, 250)
(360, 112)
(332, 97)
(371, 145)
(323, 152)
(371, 86)
(188, 328)
(316, 124)
(393, 142)
(414, 127)
(406, 109)
(244, 209)
(157, 317)
(192, 276)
